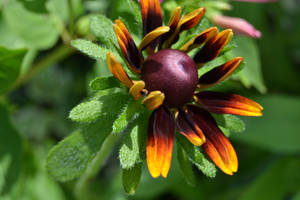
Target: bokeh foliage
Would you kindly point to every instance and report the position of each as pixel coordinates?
(42, 78)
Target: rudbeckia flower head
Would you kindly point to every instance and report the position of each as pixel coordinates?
(169, 86)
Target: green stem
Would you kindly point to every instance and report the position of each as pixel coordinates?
(56, 55)
(71, 18)
(94, 167)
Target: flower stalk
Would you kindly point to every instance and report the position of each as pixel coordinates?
(55, 56)
(95, 166)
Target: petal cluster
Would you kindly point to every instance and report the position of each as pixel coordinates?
(191, 117)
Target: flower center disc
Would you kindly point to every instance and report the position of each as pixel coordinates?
(172, 72)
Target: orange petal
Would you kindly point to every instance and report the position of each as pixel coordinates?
(213, 47)
(128, 47)
(213, 153)
(219, 73)
(160, 142)
(154, 100)
(191, 19)
(187, 127)
(136, 90)
(222, 103)
(153, 35)
(175, 18)
(200, 39)
(117, 70)
(217, 146)
(187, 22)
(152, 17)
(173, 23)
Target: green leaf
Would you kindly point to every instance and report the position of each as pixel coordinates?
(185, 166)
(297, 196)
(96, 6)
(228, 48)
(283, 174)
(10, 66)
(10, 153)
(196, 157)
(9, 39)
(22, 22)
(89, 48)
(183, 39)
(129, 151)
(280, 73)
(102, 83)
(102, 28)
(60, 8)
(37, 185)
(230, 122)
(101, 69)
(133, 145)
(131, 178)
(28, 60)
(278, 129)
(225, 131)
(129, 14)
(251, 75)
(135, 9)
(38, 6)
(69, 159)
(128, 114)
(86, 111)
(41, 186)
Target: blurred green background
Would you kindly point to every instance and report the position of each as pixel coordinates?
(47, 78)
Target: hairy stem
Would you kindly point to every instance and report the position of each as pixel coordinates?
(94, 167)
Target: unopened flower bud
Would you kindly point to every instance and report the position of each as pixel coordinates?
(238, 25)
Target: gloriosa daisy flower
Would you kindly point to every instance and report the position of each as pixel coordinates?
(170, 86)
